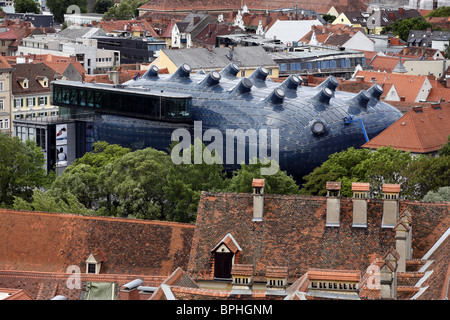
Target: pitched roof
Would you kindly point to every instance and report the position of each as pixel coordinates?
(134, 25)
(290, 30)
(385, 63)
(336, 275)
(208, 35)
(407, 86)
(30, 71)
(297, 223)
(37, 241)
(421, 130)
(321, 6)
(4, 65)
(201, 58)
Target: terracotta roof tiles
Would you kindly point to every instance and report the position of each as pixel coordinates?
(360, 186)
(421, 130)
(336, 275)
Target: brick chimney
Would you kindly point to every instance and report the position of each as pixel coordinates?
(391, 194)
(129, 290)
(276, 280)
(360, 195)
(402, 233)
(333, 204)
(258, 199)
(242, 278)
(388, 275)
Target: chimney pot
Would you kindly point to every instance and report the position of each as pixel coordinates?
(390, 205)
(258, 199)
(333, 204)
(360, 193)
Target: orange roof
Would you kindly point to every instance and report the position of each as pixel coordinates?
(360, 186)
(336, 275)
(439, 95)
(420, 130)
(407, 86)
(385, 63)
(391, 188)
(134, 25)
(258, 183)
(15, 294)
(331, 185)
(4, 63)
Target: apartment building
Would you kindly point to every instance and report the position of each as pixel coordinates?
(85, 50)
(5, 99)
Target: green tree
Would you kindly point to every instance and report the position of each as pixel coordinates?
(59, 7)
(341, 166)
(329, 18)
(21, 169)
(416, 174)
(47, 202)
(126, 10)
(445, 150)
(442, 194)
(185, 182)
(133, 185)
(101, 6)
(279, 183)
(402, 27)
(26, 6)
(439, 12)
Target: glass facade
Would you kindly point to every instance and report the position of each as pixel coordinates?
(129, 103)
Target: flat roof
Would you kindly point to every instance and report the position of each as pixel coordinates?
(122, 88)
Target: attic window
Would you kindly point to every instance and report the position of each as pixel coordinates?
(94, 263)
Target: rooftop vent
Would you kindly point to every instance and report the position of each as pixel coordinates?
(292, 82)
(183, 71)
(324, 95)
(244, 86)
(276, 97)
(152, 72)
(260, 74)
(330, 83)
(231, 70)
(375, 91)
(211, 79)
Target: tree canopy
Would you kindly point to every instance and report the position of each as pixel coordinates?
(401, 27)
(126, 10)
(60, 7)
(416, 174)
(21, 169)
(26, 6)
(439, 12)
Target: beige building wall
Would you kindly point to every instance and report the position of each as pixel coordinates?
(427, 67)
(5, 102)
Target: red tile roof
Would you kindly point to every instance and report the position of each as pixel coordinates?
(391, 188)
(15, 294)
(421, 130)
(407, 86)
(37, 241)
(360, 186)
(334, 275)
(134, 25)
(258, 183)
(321, 6)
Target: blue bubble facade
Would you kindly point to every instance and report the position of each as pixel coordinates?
(313, 122)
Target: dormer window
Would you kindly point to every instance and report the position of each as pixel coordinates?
(224, 255)
(23, 82)
(94, 263)
(43, 81)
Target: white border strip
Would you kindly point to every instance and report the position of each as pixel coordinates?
(437, 244)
